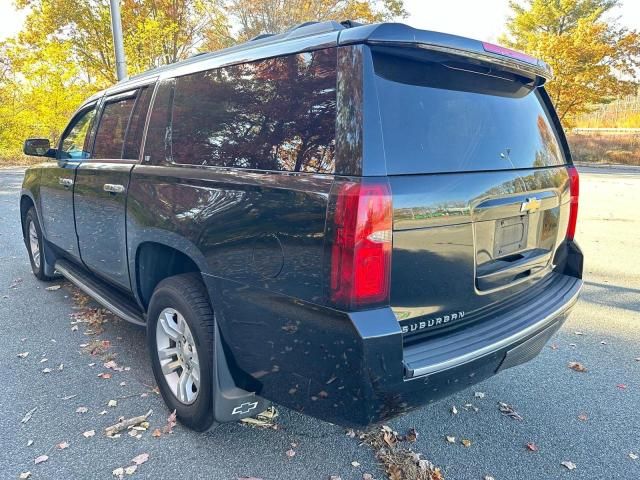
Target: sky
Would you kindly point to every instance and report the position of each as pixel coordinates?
(480, 19)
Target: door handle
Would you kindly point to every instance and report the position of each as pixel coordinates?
(113, 188)
(66, 182)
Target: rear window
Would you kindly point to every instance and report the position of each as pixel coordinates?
(443, 116)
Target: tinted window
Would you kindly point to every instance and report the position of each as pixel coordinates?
(75, 144)
(157, 146)
(441, 117)
(112, 128)
(275, 114)
(136, 125)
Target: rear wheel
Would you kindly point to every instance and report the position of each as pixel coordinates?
(180, 340)
(35, 244)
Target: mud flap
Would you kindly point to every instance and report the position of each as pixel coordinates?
(231, 403)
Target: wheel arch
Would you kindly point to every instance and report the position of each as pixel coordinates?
(26, 202)
(155, 261)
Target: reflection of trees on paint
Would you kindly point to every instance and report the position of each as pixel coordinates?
(275, 114)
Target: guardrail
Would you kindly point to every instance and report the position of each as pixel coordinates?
(606, 130)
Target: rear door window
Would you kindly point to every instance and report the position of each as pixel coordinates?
(441, 117)
(274, 114)
(113, 125)
(133, 138)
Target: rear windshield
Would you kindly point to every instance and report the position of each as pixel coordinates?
(443, 116)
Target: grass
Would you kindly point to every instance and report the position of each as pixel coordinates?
(19, 161)
(594, 147)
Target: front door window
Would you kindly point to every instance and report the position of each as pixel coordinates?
(75, 143)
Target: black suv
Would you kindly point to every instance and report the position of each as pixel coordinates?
(349, 220)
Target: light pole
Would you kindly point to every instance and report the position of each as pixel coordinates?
(116, 29)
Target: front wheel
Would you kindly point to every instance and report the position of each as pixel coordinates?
(180, 340)
(35, 244)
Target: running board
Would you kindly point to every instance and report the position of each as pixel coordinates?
(108, 297)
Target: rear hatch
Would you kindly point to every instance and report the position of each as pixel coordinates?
(479, 182)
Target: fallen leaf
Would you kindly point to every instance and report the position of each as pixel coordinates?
(633, 456)
(25, 475)
(103, 412)
(412, 435)
(43, 360)
(488, 477)
(29, 443)
(350, 433)
(621, 386)
(82, 410)
(367, 476)
(52, 288)
(568, 465)
(104, 376)
(89, 433)
(577, 366)
(118, 472)
(578, 333)
(156, 433)
(532, 446)
(479, 395)
(583, 417)
(46, 370)
(290, 453)
(122, 384)
(131, 470)
(112, 403)
(61, 367)
(24, 355)
(140, 459)
(508, 411)
(355, 464)
(40, 459)
(465, 442)
(74, 328)
(28, 415)
(171, 422)
(451, 439)
(572, 345)
(454, 410)
(62, 445)
(603, 343)
(553, 346)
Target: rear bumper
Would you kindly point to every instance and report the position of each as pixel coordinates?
(437, 368)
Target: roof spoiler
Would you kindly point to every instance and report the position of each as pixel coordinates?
(404, 36)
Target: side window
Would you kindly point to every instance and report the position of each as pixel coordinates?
(112, 127)
(133, 138)
(75, 142)
(274, 114)
(157, 146)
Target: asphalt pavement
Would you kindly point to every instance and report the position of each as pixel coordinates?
(591, 419)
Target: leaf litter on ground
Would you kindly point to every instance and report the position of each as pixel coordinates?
(399, 462)
(577, 366)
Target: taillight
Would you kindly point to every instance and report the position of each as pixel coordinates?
(574, 189)
(361, 244)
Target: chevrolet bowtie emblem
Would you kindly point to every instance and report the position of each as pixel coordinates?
(244, 408)
(530, 205)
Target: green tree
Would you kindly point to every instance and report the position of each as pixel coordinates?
(275, 16)
(593, 59)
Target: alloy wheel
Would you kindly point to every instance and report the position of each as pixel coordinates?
(178, 355)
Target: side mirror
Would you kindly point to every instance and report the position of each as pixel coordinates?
(38, 147)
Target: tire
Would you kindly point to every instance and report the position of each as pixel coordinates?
(35, 244)
(182, 299)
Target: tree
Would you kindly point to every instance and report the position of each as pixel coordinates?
(275, 16)
(594, 60)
